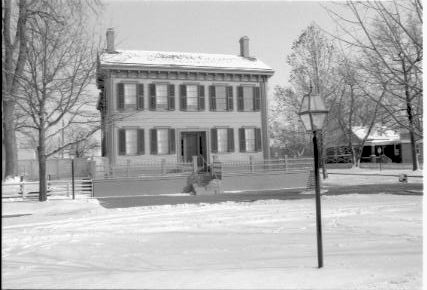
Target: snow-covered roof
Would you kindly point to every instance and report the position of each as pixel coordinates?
(377, 133)
(183, 60)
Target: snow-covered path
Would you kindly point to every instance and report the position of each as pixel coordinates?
(370, 242)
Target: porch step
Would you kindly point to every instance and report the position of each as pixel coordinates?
(213, 187)
(204, 179)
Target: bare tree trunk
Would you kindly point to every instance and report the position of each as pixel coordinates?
(13, 61)
(42, 165)
(11, 168)
(350, 126)
(415, 165)
(410, 116)
(357, 159)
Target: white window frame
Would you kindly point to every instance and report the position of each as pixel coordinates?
(163, 145)
(248, 98)
(192, 96)
(130, 95)
(223, 100)
(131, 141)
(250, 144)
(222, 140)
(162, 95)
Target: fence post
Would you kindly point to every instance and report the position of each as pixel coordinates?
(286, 163)
(92, 193)
(251, 164)
(21, 186)
(111, 170)
(127, 167)
(49, 177)
(68, 189)
(72, 178)
(163, 166)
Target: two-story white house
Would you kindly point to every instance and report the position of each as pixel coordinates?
(171, 105)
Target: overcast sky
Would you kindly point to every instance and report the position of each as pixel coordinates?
(215, 27)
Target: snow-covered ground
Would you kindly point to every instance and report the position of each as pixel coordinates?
(370, 242)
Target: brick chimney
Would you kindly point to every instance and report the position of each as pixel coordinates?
(244, 46)
(110, 40)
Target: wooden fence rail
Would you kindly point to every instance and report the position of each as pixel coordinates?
(29, 189)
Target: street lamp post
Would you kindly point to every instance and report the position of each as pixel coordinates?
(313, 114)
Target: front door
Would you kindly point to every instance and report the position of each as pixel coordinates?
(193, 144)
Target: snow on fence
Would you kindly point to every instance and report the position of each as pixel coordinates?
(142, 169)
(55, 189)
(170, 168)
(265, 165)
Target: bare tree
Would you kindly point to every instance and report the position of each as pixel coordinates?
(81, 146)
(356, 104)
(286, 128)
(61, 64)
(312, 62)
(389, 36)
(14, 53)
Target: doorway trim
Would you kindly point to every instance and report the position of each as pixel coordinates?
(192, 129)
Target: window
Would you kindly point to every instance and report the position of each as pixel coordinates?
(162, 141)
(192, 98)
(248, 98)
(161, 96)
(131, 146)
(222, 140)
(130, 95)
(250, 139)
(131, 141)
(221, 98)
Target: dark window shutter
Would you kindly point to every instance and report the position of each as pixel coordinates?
(141, 142)
(258, 141)
(153, 140)
(120, 96)
(230, 136)
(257, 99)
(214, 140)
(140, 98)
(240, 106)
(201, 102)
(212, 98)
(172, 141)
(242, 140)
(171, 98)
(183, 98)
(230, 98)
(152, 97)
(122, 142)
